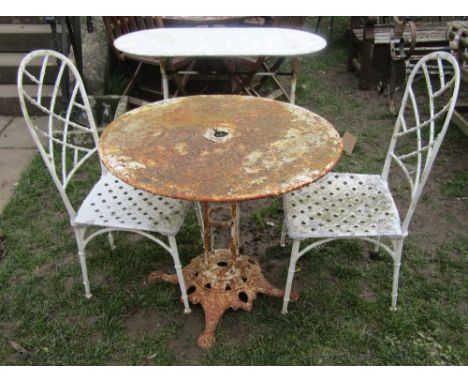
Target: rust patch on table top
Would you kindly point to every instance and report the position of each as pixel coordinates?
(219, 148)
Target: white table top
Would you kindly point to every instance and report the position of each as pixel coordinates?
(219, 42)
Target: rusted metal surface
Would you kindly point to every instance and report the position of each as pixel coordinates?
(270, 148)
(234, 244)
(225, 282)
(206, 229)
(220, 149)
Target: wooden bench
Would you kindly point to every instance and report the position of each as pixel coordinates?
(376, 41)
(458, 37)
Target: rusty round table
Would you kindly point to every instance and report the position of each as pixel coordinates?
(220, 148)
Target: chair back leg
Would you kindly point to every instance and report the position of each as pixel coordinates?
(292, 268)
(376, 247)
(111, 241)
(398, 246)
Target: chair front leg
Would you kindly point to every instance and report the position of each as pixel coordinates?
(292, 269)
(79, 234)
(398, 249)
(283, 235)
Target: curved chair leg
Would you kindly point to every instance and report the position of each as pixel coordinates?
(79, 233)
(398, 246)
(180, 275)
(283, 235)
(292, 268)
(377, 246)
(111, 240)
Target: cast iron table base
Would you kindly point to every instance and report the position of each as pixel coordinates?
(220, 282)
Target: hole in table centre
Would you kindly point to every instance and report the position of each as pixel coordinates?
(218, 134)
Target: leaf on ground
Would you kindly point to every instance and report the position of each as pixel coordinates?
(152, 356)
(15, 345)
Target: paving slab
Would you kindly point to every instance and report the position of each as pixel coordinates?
(9, 63)
(16, 152)
(9, 101)
(5, 121)
(16, 135)
(12, 164)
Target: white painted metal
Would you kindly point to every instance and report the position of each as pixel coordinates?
(111, 205)
(219, 42)
(166, 43)
(361, 206)
(344, 205)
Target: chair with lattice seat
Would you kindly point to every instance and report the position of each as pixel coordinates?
(361, 206)
(70, 140)
(113, 202)
(348, 205)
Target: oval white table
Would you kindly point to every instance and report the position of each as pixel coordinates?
(223, 43)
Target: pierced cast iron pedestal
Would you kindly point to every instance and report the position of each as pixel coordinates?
(222, 284)
(222, 279)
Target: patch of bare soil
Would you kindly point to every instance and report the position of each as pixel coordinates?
(234, 334)
(7, 329)
(366, 293)
(229, 333)
(54, 264)
(184, 342)
(139, 323)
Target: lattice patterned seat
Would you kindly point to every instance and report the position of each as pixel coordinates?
(360, 206)
(113, 203)
(348, 205)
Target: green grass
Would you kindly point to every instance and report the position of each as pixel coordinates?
(457, 185)
(341, 318)
(117, 82)
(263, 216)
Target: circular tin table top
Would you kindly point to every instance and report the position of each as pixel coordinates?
(219, 148)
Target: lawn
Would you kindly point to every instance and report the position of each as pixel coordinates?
(342, 316)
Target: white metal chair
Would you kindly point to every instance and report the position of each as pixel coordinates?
(112, 205)
(361, 206)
